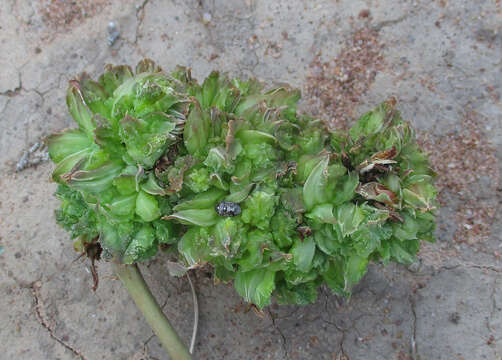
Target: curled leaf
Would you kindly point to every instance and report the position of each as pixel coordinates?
(378, 192)
(314, 188)
(148, 66)
(204, 200)
(79, 109)
(93, 181)
(153, 187)
(196, 131)
(198, 217)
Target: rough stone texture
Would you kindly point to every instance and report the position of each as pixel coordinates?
(442, 58)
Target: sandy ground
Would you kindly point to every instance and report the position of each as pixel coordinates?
(441, 59)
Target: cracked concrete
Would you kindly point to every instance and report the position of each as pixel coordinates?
(443, 57)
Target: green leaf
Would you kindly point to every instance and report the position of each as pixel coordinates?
(196, 131)
(354, 270)
(258, 209)
(204, 200)
(152, 186)
(256, 286)
(108, 139)
(252, 255)
(218, 182)
(147, 207)
(93, 181)
(198, 180)
(284, 97)
(284, 228)
(75, 215)
(292, 200)
(198, 217)
(408, 229)
(147, 138)
(68, 142)
(114, 76)
(314, 188)
(301, 294)
(303, 253)
(323, 214)
(175, 174)
(71, 149)
(312, 140)
(193, 247)
(209, 89)
(349, 217)
(229, 235)
(399, 252)
(114, 238)
(334, 277)
(306, 164)
(69, 163)
(255, 136)
(368, 124)
(147, 66)
(260, 154)
(123, 205)
(142, 246)
(125, 184)
(165, 232)
(420, 196)
(241, 195)
(346, 188)
(79, 110)
(369, 238)
(326, 240)
(94, 95)
(248, 104)
(217, 159)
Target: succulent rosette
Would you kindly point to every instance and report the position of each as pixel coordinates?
(228, 173)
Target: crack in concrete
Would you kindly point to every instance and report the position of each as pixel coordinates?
(143, 354)
(140, 16)
(5, 106)
(42, 94)
(379, 26)
(135, 46)
(413, 342)
(494, 306)
(284, 347)
(342, 355)
(35, 288)
(472, 266)
(11, 93)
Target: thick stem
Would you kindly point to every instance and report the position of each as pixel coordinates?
(138, 289)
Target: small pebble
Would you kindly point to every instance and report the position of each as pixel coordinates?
(113, 33)
(455, 317)
(206, 18)
(111, 27)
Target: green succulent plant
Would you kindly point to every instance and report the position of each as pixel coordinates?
(229, 174)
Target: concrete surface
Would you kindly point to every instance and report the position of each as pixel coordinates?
(441, 59)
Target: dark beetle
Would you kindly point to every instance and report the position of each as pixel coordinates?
(228, 208)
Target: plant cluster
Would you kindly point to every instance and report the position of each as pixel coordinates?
(229, 174)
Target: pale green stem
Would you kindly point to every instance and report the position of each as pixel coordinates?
(138, 289)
